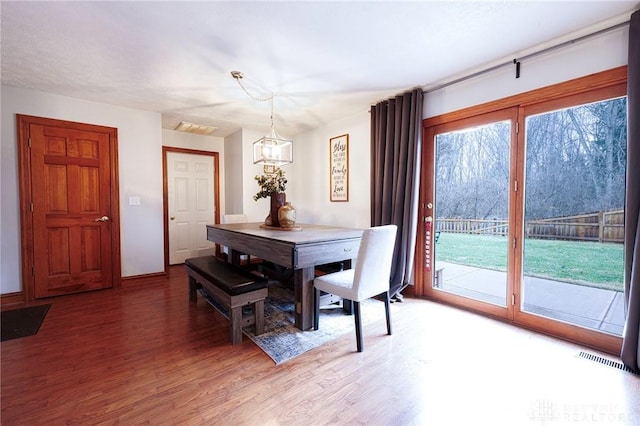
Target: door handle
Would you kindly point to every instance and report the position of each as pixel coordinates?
(172, 217)
(101, 219)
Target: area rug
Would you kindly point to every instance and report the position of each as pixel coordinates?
(282, 341)
(22, 322)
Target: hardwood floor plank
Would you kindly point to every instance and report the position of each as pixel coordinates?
(145, 355)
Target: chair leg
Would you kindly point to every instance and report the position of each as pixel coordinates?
(356, 311)
(386, 308)
(316, 308)
(347, 306)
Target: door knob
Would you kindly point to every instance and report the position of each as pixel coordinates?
(172, 217)
(102, 219)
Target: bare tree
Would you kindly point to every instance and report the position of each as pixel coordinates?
(575, 163)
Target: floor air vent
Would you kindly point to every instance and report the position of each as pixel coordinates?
(605, 361)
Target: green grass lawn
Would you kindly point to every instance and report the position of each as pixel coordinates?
(587, 263)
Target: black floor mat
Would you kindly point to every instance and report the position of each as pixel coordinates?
(22, 322)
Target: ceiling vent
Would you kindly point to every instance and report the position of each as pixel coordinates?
(198, 129)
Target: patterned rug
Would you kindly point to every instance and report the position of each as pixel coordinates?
(282, 341)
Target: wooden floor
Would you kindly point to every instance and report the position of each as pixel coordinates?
(144, 355)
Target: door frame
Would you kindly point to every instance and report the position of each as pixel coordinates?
(165, 192)
(25, 185)
(428, 206)
(610, 80)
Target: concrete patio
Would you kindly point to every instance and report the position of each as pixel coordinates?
(576, 304)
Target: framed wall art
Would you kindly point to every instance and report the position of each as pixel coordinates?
(339, 168)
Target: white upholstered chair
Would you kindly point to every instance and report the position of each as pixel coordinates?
(369, 277)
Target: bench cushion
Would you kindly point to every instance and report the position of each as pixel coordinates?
(227, 277)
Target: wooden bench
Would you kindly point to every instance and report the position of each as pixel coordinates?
(232, 289)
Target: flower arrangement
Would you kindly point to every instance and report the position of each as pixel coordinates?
(270, 183)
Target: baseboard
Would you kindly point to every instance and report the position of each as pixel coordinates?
(11, 298)
(18, 297)
(142, 279)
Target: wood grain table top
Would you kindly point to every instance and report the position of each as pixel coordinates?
(309, 234)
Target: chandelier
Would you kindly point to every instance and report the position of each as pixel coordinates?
(271, 149)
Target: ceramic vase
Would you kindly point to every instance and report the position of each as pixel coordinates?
(277, 200)
(287, 216)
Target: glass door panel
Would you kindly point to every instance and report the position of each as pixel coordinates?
(574, 215)
(472, 212)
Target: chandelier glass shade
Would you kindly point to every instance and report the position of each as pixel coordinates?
(273, 150)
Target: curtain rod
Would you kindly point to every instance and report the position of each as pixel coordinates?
(530, 55)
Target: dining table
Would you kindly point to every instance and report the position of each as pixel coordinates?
(301, 249)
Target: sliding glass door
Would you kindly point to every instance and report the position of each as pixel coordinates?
(470, 221)
(471, 211)
(574, 214)
(523, 209)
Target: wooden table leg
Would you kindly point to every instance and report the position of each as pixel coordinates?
(303, 287)
(235, 257)
(347, 305)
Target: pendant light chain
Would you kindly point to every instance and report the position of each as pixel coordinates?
(272, 149)
(273, 128)
(238, 76)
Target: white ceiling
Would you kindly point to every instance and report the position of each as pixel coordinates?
(322, 60)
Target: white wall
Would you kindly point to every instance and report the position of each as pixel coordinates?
(177, 139)
(309, 192)
(308, 176)
(241, 185)
(234, 195)
(592, 55)
(140, 167)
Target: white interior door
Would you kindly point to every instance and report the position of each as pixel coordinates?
(191, 206)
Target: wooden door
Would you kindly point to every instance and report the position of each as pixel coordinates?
(191, 204)
(72, 198)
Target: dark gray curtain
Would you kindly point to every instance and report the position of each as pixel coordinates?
(630, 354)
(396, 136)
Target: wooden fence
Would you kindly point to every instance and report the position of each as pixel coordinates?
(473, 226)
(605, 226)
